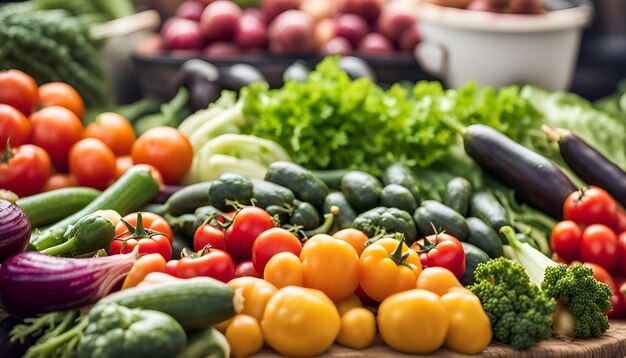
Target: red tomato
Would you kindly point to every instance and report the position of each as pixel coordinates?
(591, 206)
(113, 130)
(24, 169)
(599, 246)
(620, 225)
(621, 248)
(212, 263)
(61, 94)
(246, 268)
(565, 240)
(442, 250)
(14, 127)
(60, 180)
(271, 242)
(620, 283)
(602, 275)
(18, 90)
(56, 129)
(171, 267)
(209, 235)
(167, 150)
(92, 163)
(148, 229)
(365, 299)
(122, 164)
(247, 224)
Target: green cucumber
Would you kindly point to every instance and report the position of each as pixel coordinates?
(473, 257)
(207, 343)
(399, 174)
(306, 186)
(305, 215)
(265, 193)
(362, 190)
(278, 212)
(487, 208)
(434, 217)
(458, 195)
(484, 237)
(52, 206)
(195, 303)
(346, 214)
(188, 199)
(228, 189)
(397, 196)
(332, 177)
(129, 193)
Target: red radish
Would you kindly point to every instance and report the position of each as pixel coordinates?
(319, 9)
(352, 28)
(254, 12)
(291, 33)
(220, 21)
(190, 10)
(409, 39)
(273, 8)
(526, 7)
(375, 43)
(369, 9)
(183, 34)
(337, 45)
(222, 49)
(205, 2)
(324, 31)
(152, 44)
(395, 20)
(252, 32)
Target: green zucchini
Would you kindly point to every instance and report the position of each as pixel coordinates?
(346, 214)
(332, 177)
(129, 193)
(207, 343)
(306, 186)
(473, 257)
(52, 206)
(159, 209)
(265, 193)
(230, 188)
(397, 196)
(195, 303)
(434, 216)
(484, 237)
(305, 215)
(487, 208)
(362, 190)
(188, 199)
(399, 174)
(458, 195)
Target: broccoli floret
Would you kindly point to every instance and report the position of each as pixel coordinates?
(575, 288)
(518, 310)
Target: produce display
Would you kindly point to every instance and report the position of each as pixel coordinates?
(236, 218)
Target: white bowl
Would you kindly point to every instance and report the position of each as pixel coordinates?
(500, 49)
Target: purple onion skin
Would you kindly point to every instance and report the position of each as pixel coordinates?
(165, 193)
(14, 230)
(32, 283)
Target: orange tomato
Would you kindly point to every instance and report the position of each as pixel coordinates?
(61, 94)
(56, 130)
(354, 237)
(92, 163)
(145, 265)
(122, 164)
(60, 180)
(13, 126)
(167, 150)
(113, 130)
(18, 90)
(284, 269)
(438, 280)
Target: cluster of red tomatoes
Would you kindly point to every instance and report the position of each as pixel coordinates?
(594, 231)
(44, 145)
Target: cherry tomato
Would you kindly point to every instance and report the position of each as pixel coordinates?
(246, 268)
(56, 129)
(441, 250)
(24, 169)
(61, 94)
(166, 149)
(621, 248)
(122, 164)
(247, 224)
(209, 235)
(601, 274)
(599, 245)
(354, 237)
(60, 180)
(18, 90)
(271, 242)
(284, 269)
(565, 240)
(148, 228)
(212, 263)
(114, 130)
(591, 206)
(13, 126)
(617, 300)
(92, 163)
(620, 225)
(171, 267)
(621, 291)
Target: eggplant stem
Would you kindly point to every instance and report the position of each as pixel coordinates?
(454, 124)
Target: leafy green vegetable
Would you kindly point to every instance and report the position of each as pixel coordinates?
(615, 104)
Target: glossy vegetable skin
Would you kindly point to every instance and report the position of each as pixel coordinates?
(49, 207)
(14, 230)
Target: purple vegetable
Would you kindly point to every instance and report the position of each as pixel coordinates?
(165, 193)
(14, 230)
(32, 283)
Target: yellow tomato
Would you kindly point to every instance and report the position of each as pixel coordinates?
(300, 322)
(244, 336)
(386, 268)
(256, 292)
(223, 325)
(414, 321)
(358, 328)
(354, 237)
(331, 266)
(470, 328)
(438, 280)
(349, 303)
(284, 269)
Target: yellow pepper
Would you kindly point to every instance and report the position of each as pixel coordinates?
(300, 322)
(470, 329)
(256, 292)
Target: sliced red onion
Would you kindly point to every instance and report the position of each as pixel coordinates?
(14, 230)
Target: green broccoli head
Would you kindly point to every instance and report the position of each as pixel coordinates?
(518, 310)
(577, 289)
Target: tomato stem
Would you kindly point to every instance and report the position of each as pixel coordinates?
(7, 154)
(396, 256)
(429, 245)
(137, 232)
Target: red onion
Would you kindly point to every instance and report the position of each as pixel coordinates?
(14, 230)
(32, 283)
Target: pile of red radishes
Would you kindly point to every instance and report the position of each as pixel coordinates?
(220, 28)
(528, 7)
